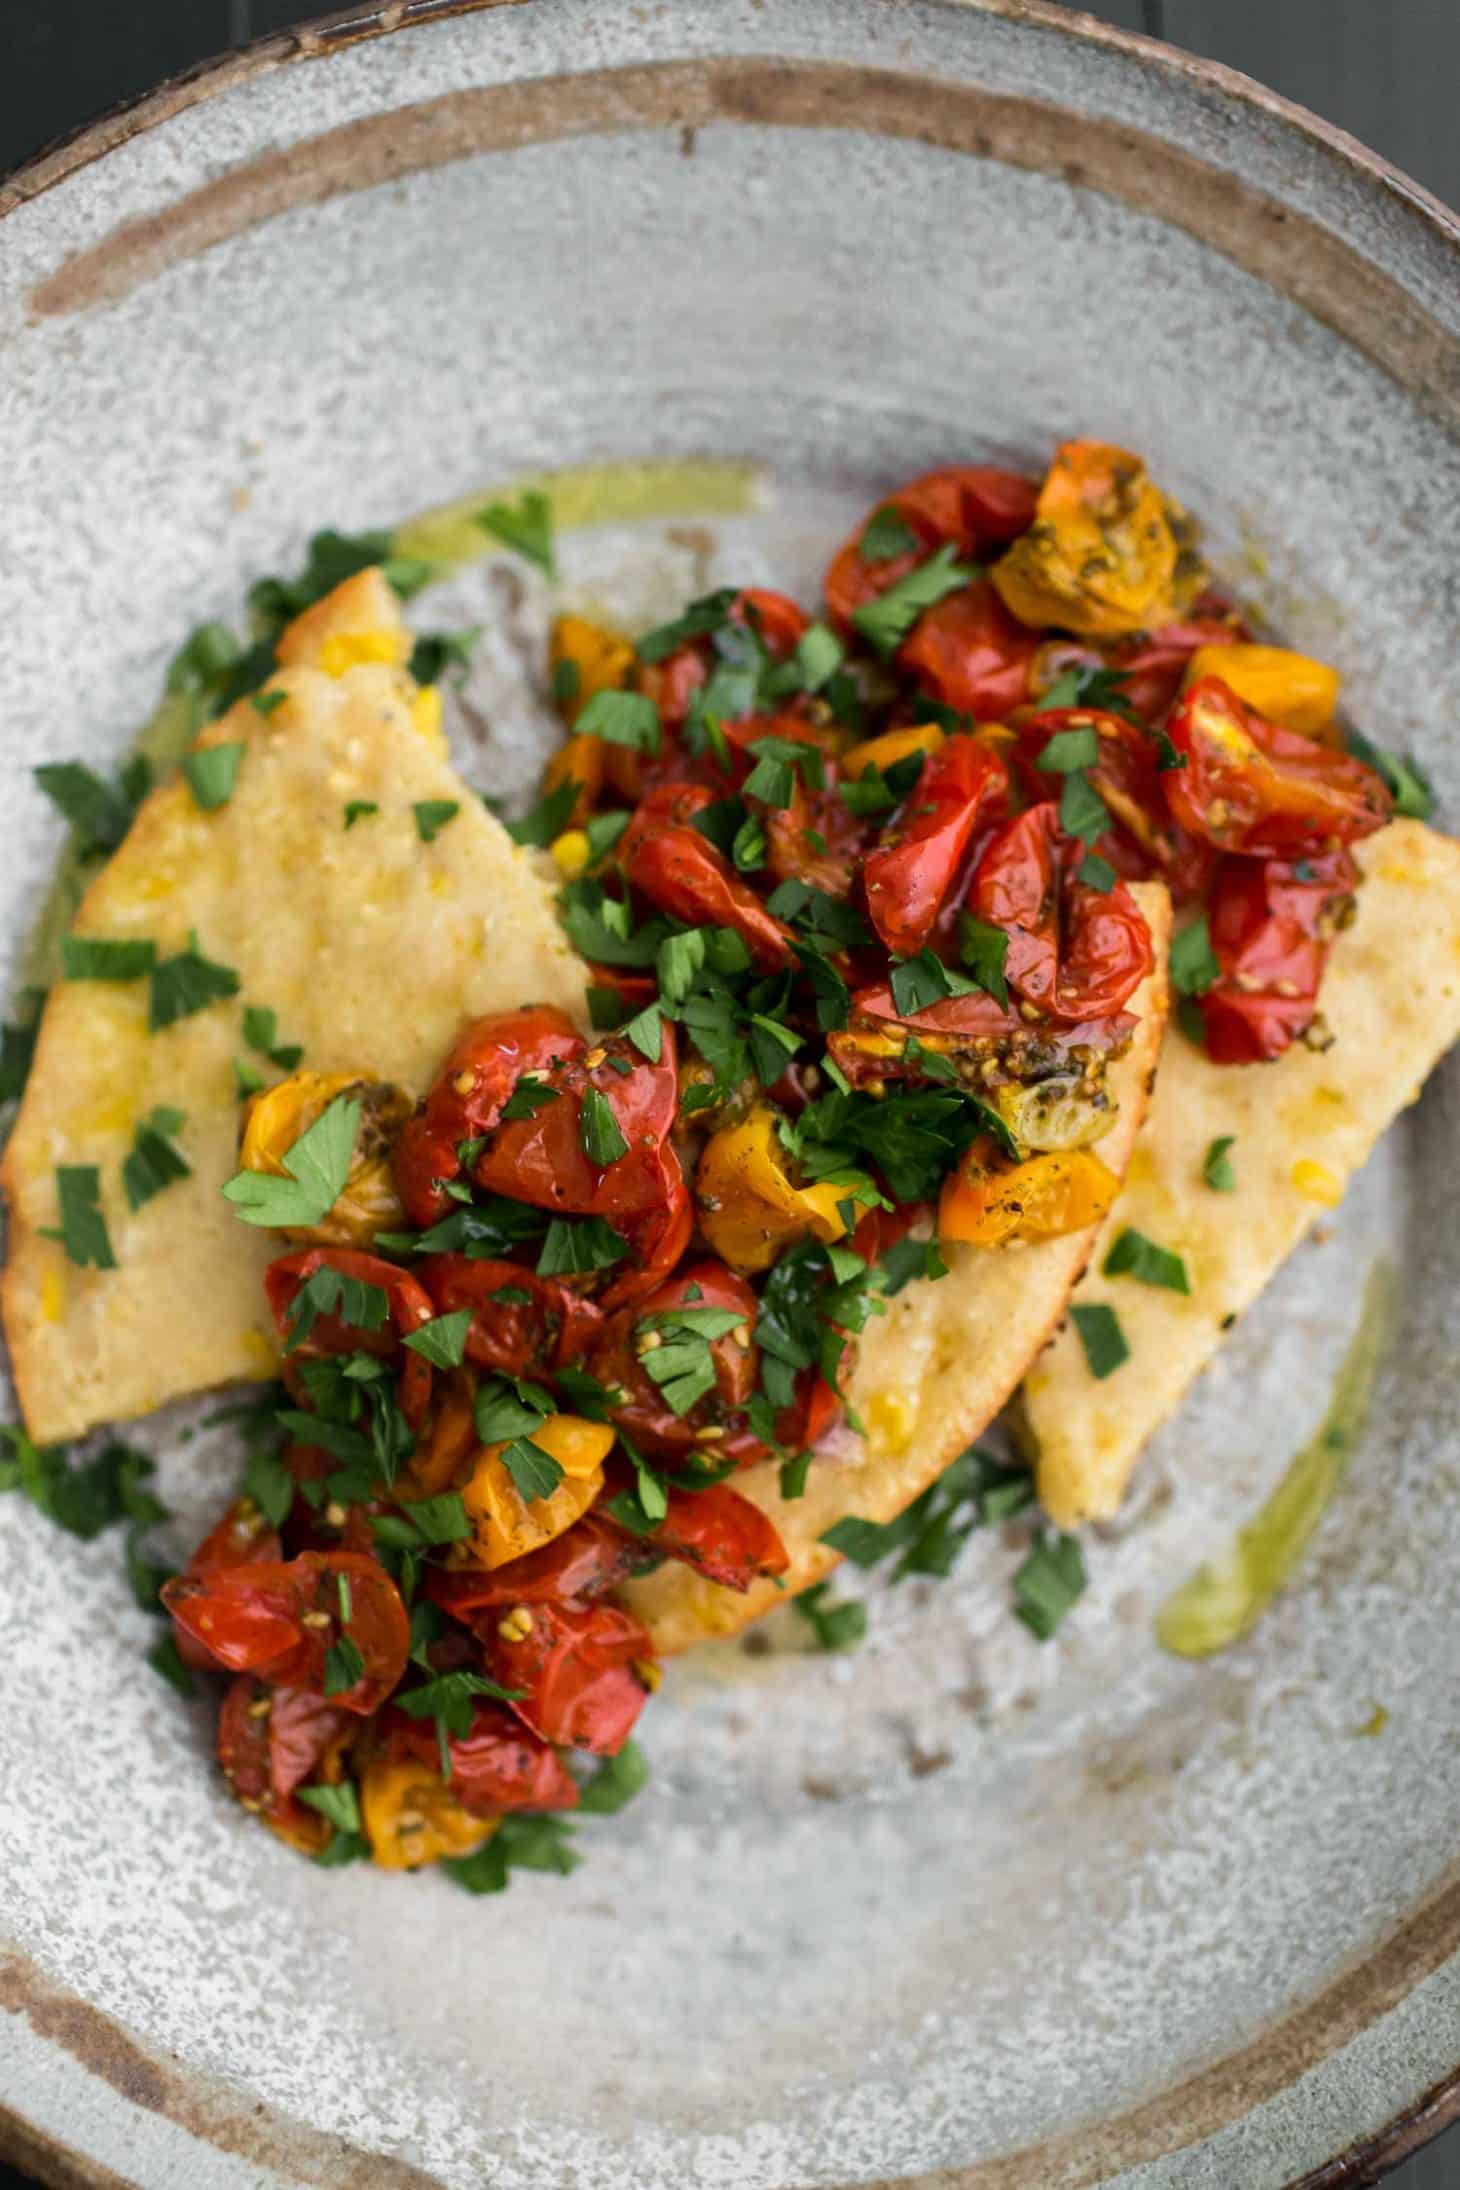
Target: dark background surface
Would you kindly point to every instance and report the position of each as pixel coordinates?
(1387, 70)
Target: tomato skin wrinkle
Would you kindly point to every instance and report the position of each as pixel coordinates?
(908, 876)
(467, 1096)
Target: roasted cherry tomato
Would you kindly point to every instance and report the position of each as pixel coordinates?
(500, 1765)
(969, 507)
(485, 1063)
(270, 1741)
(672, 683)
(582, 1563)
(582, 1671)
(722, 1536)
(1145, 841)
(408, 1306)
(1272, 926)
(1153, 664)
(962, 787)
(542, 1159)
(969, 652)
(241, 1538)
(631, 1342)
(1249, 786)
(281, 1621)
(664, 855)
(817, 839)
(1074, 952)
(1101, 557)
(521, 1324)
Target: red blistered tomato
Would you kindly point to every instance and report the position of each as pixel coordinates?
(581, 1672)
(542, 1160)
(582, 1563)
(484, 1065)
(241, 1538)
(270, 1741)
(629, 1341)
(970, 653)
(509, 1334)
(1272, 926)
(1074, 952)
(658, 1234)
(962, 787)
(722, 1536)
(663, 855)
(969, 507)
(500, 1765)
(1145, 841)
(817, 839)
(1154, 664)
(280, 1620)
(1249, 786)
(408, 1307)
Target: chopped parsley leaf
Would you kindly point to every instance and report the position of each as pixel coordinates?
(102, 958)
(1408, 785)
(599, 1131)
(318, 1167)
(340, 1804)
(527, 1098)
(1083, 812)
(535, 1473)
(983, 947)
(357, 809)
(1049, 1583)
(212, 770)
(527, 529)
(575, 1244)
(834, 1626)
(886, 533)
(548, 818)
(1070, 749)
(442, 1341)
(1133, 1255)
(432, 815)
(520, 1842)
(886, 621)
(1216, 1165)
(616, 1782)
(261, 1032)
(1101, 1336)
(343, 1666)
(699, 621)
(82, 1230)
(186, 984)
(326, 1292)
(918, 982)
(437, 651)
(778, 762)
(622, 718)
(1096, 874)
(1194, 964)
(793, 1475)
(646, 1032)
(100, 815)
(154, 1162)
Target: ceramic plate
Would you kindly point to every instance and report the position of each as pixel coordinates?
(958, 1908)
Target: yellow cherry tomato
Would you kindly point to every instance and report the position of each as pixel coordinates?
(987, 1202)
(891, 747)
(1287, 688)
(506, 1525)
(411, 1817)
(369, 1204)
(748, 1207)
(1100, 558)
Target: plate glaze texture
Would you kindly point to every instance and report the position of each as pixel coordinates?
(958, 1908)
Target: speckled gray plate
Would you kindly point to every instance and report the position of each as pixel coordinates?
(959, 1908)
